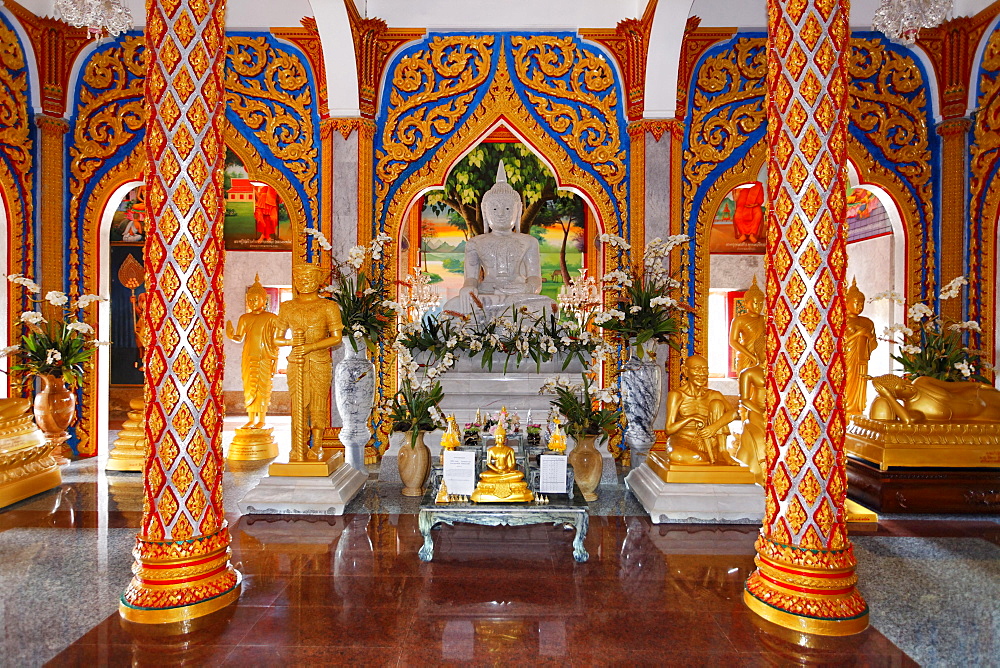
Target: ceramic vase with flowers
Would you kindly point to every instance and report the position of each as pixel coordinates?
(56, 351)
(415, 410)
(645, 314)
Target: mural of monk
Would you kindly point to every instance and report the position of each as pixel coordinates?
(748, 216)
(265, 212)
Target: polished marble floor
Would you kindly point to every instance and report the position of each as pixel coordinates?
(351, 591)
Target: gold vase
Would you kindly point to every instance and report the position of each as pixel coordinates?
(587, 466)
(55, 410)
(414, 465)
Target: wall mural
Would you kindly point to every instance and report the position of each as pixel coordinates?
(449, 217)
(256, 217)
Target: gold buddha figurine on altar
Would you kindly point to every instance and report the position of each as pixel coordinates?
(858, 344)
(501, 481)
(257, 330)
(557, 441)
(452, 437)
(746, 334)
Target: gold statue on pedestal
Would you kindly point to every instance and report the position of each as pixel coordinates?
(557, 441)
(257, 329)
(751, 451)
(697, 425)
(746, 334)
(501, 481)
(27, 465)
(316, 328)
(924, 421)
(858, 344)
(451, 438)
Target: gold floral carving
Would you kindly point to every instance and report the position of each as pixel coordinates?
(898, 127)
(307, 39)
(262, 105)
(16, 176)
(595, 139)
(984, 205)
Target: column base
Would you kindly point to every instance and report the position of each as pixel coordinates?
(178, 580)
(806, 590)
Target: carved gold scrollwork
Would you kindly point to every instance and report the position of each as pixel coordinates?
(985, 201)
(432, 89)
(269, 91)
(887, 99)
(557, 68)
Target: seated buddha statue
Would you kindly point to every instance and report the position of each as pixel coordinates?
(925, 399)
(557, 441)
(501, 481)
(502, 266)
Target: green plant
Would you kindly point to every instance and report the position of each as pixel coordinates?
(585, 410)
(644, 309)
(416, 408)
(934, 345)
(59, 348)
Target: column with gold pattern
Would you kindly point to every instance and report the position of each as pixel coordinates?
(182, 568)
(805, 577)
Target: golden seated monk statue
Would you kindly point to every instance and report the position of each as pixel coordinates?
(501, 481)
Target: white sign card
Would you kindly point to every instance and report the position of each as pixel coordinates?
(460, 472)
(552, 474)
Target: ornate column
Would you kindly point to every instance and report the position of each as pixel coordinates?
(182, 554)
(805, 564)
(52, 140)
(954, 222)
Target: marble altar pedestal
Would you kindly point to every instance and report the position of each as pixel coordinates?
(695, 502)
(304, 495)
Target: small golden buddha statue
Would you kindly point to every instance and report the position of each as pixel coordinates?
(452, 438)
(858, 344)
(557, 441)
(746, 334)
(501, 481)
(257, 330)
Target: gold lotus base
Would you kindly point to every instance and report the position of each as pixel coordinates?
(252, 445)
(322, 468)
(938, 444)
(181, 613)
(820, 627)
(659, 461)
(512, 492)
(27, 459)
(128, 452)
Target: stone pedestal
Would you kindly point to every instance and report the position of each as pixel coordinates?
(691, 502)
(128, 452)
(924, 489)
(299, 495)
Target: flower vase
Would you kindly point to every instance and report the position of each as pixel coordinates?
(642, 381)
(414, 464)
(587, 466)
(55, 410)
(354, 389)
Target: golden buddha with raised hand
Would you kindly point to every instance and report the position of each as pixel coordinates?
(501, 481)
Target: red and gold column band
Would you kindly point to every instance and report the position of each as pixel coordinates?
(182, 568)
(805, 566)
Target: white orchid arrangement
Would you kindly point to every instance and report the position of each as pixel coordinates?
(60, 348)
(365, 307)
(642, 307)
(931, 344)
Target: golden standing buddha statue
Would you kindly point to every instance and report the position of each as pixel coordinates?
(316, 328)
(257, 329)
(501, 481)
(746, 334)
(858, 344)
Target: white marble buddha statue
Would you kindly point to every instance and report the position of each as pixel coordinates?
(502, 266)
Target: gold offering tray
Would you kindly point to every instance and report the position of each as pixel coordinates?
(929, 444)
